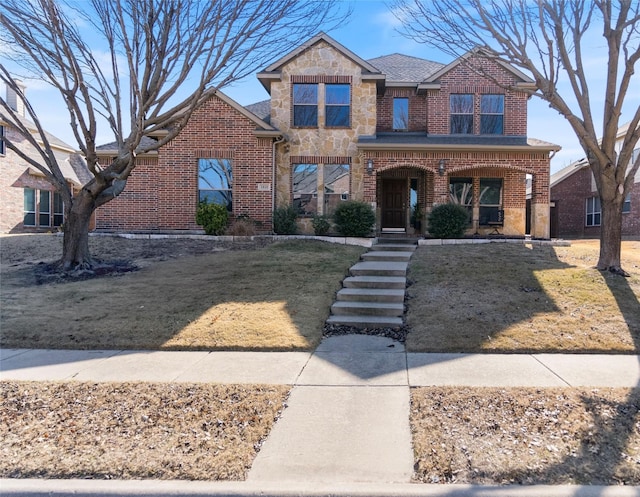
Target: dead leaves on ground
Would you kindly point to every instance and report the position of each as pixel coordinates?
(526, 435)
(134, 430)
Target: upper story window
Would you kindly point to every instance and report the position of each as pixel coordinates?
(2, 148)
(215, 181)
(626, 206)
(491, 114)
(305, 104)
(461, 110)
(337, 105)
(400, 114)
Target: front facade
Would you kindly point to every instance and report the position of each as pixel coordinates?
(28, 202)
(400, 133)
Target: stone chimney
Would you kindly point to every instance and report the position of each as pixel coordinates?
(14, 100)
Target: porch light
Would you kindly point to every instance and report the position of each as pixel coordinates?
(370, 166)
(441, 165)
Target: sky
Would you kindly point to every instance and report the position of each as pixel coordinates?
(370, 32)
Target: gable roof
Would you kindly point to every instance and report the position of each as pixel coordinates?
(263, 128)
(400, 68)
(567, 171)
(432, 82)
(273, 71)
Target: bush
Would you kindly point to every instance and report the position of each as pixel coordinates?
(242, 225)
(212, 217)
(354, 218)
(320, 225)
(448, 221)
(284, 220)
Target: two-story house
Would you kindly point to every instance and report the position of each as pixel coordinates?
(28, 202)
(399, 132)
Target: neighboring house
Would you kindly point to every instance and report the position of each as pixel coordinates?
(29, 203)
(399, 132)
(576, 204)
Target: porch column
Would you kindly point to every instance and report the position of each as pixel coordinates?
(440, 189)
(540, 209)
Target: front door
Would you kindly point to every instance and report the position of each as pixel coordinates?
(394, 204)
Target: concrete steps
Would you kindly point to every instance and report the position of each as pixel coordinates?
(373, 295)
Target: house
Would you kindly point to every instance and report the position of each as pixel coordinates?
(29, 202)
(399, 132)
(575, 211)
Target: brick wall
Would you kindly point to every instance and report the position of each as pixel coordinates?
(162, 192)
(570, 197)
(464, 79)
(14, 178)
(417, 109)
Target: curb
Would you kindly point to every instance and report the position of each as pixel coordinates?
(165, 488)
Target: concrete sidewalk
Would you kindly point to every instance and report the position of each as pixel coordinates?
(345, 360)
(346, 429)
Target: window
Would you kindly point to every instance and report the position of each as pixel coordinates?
(490, 200)
(461, 114)
(38, 206)
(44, 216)
(29, 207)
(2, 148)
(336, 186)
(337, 106)
(461, 192)
(400, 114)
(305, 105)
(626, 207)
(305, 189)
(215, 182)
(58, 209)
(593, 211)
(491, 114)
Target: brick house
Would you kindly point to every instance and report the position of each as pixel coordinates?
(399, 132)
(575, 211)
(29, 202)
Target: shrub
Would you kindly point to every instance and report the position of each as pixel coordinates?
(242, 225)
(212, 217)
(320, 225)
(448, 221)
(354, 218)
(284, 220)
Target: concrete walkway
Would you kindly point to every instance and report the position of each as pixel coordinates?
(345, 360)
(346, 429)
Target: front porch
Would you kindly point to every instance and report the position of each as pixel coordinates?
(495, 199)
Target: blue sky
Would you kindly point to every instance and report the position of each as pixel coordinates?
(371, 32)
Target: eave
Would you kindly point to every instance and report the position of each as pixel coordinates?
(420, 147)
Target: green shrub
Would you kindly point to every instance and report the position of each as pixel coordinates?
(448, 221)
(284, 220)
(354, 218)
(212, 217)
(320, 225)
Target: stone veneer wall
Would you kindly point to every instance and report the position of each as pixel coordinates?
(321, 145)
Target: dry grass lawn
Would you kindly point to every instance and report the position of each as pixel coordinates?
(526, 436)
(207, 295)
(187, 295)
(134, 431)
(513, 298)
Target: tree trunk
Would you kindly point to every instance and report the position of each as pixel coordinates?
(75, 247)
(611, 236)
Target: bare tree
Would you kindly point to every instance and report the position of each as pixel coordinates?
(548, 40)
(165, 57)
